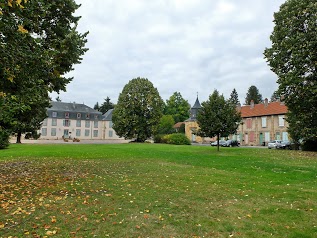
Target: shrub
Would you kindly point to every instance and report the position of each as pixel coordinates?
(176, 139)
(309, 145)
(4, 139)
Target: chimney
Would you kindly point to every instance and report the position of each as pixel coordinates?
(266, 102)
(252, 104)
(238, 107)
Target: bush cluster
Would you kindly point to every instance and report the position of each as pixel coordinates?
(175, 139)
(4, 139)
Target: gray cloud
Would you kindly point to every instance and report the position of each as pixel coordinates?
(187, 46)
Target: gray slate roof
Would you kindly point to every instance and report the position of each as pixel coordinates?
(72, 107)
(108, 115)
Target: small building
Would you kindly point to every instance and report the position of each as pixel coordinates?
(262, 123)
(71, 120)
(191, 125)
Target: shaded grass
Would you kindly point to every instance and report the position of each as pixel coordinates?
(146, 190)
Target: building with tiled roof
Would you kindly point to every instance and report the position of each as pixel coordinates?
(262, 123)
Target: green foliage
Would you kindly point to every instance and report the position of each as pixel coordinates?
(4, 138)
(159, 138)
(39, 45)
(166, 125)
(139, 110)
(96, 106)
(176, 139)
(178, 107)
(234, 97)
(217, 117)
(292, 57)
(253, 94)
(106, 106)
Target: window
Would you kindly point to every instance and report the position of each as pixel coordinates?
(249, 123)
(54, 122)
(267, 136)
(96, 116)
(95, 124)
(66, 122)
(263, 121)
(285, 135)
(44, 131)
(66, 114)
(87, 116)
(78, 123)
(110, 133)
(78, 115)
(45, 122)
(87, 124)
(78, 132)
(54, 114)
(110, 124)
(53, 132)
(252, 137)
(86, 132)
(95, 133)
(280, 120)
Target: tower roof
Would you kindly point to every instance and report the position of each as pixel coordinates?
(197, 104)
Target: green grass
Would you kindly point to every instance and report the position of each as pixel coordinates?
(151, 190)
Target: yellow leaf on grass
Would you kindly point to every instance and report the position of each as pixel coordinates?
(53, 219)
(1, 225)
(50, 233)
(10, 3)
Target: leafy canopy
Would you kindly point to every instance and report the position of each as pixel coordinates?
(39, 44)
(138, 111)
(292, 57)
(217, 117)
(177, 107)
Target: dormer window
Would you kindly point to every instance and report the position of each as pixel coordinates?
(96, 116)
(66, 114)
(87, 116)
(78, 115)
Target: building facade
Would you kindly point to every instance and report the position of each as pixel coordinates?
(262, 123)
(71, 120)
(108, 132)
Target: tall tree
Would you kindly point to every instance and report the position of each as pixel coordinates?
(217, 117)
(177, 107)
(234, 97)
(292, 57)
(138, 111)
(39, 45)
(275, 97)
(253, 94)
(97, 107)
(106, 105)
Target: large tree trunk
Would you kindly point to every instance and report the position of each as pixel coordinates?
(19, 137)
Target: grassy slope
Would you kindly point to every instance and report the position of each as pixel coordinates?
(146, 190)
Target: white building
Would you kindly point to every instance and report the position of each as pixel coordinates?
(71, 120)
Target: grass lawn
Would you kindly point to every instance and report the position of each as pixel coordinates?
(151, 190)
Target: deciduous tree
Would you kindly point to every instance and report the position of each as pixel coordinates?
(292, 57)
(39, 44)
(177, 107)
(139, 110)
(217, 117)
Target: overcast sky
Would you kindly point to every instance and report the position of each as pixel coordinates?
(187, 46)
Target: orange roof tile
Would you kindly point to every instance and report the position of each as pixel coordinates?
(178, 124)
(273, 108)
